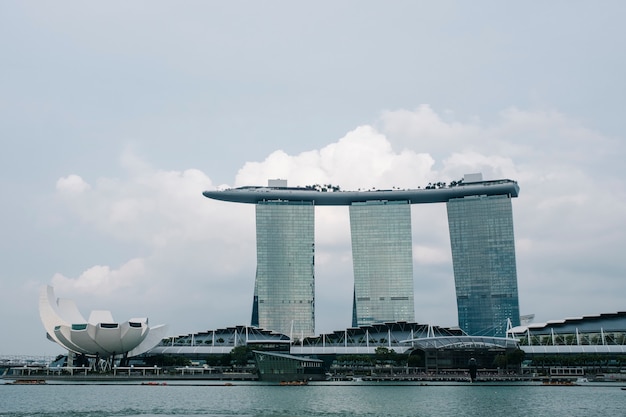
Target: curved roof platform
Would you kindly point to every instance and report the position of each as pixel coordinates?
(402, 337)
(602, 333)
(100, 335)
(608, 322)
(256, 194)
(219, 341)
(463, 342)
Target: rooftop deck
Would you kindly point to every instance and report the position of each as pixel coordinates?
(254, 194)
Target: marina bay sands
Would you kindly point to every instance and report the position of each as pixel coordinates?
(480, 225)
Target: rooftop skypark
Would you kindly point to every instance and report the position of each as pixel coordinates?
(333, 196)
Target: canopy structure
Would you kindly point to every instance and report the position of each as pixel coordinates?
(463, 342)
(100, 335)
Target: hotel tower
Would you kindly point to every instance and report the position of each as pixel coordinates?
(481, 233)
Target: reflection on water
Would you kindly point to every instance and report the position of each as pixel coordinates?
(324, 399)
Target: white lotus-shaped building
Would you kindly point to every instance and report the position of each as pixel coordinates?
(99, 335)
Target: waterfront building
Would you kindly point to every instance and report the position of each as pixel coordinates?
(593, 334)
(382, 261)
(382, 252)
(284, 295)
(483, 257)
(439, 347)
(199, 345)
(99, 336)
(288, 369)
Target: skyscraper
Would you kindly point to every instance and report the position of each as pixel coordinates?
(481, 234)
(483, 257)
(284, 295)
(382, 262)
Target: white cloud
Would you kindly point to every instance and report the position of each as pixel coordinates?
(72, 184)
(101, 280)
(424, 124)
(563, 213)
(150, 206)
(491, 166)
(362, 159)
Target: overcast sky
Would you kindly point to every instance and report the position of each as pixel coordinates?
(115, 116)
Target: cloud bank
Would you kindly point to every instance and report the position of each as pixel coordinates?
(196, 257)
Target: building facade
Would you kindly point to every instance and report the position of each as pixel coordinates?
(382, 262)
(483, 251)
(284, 295)
(483, 258)
(594, 334)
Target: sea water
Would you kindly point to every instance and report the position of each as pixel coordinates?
(315, 399)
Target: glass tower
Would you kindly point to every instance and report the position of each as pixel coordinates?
(382, 261)
(483, 258)
(284, 289)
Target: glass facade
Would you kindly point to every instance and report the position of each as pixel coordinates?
(483, 257)
(284, 295)
(383, 262)
(288, 368)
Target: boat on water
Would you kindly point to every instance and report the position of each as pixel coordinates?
(566, 375)
(559, 382)
(28, 382)
(294, 383)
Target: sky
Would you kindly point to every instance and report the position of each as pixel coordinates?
(115, 116)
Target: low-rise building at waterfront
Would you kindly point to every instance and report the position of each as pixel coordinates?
(592, 334)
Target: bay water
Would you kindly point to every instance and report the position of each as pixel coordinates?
(316, 399)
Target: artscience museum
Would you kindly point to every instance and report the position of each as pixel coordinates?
(99, 335)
